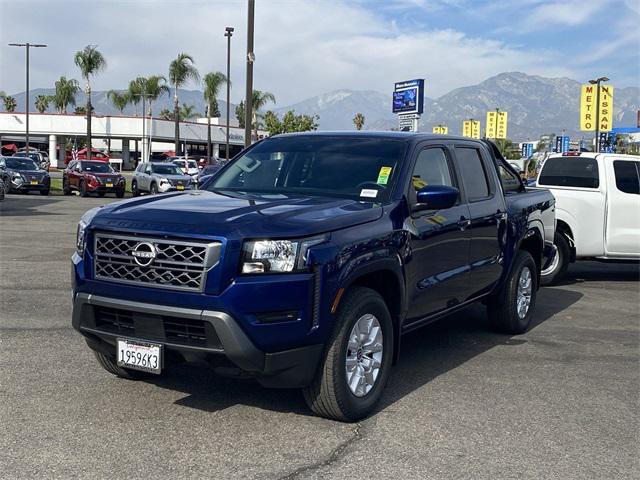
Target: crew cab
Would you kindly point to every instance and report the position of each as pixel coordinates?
(306, 258)
(597, 208)
(89, 176)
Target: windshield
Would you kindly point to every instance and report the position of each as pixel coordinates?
(167, 169)
(21, 164)
(33, 156)
(96, 167)
(193, 164)
(362, 168)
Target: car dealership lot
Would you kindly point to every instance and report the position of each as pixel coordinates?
(558, 402)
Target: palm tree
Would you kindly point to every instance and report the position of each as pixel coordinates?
(10, 103)
(66, 91)
(90, 61)
(258, 100)
(188, 111)
(181, 70)
(358, 121)
(136, 91)
(42, 103)
(155, 86)
(120, 100)
(213, 81)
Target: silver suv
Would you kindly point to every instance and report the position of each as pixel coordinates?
(159, 177)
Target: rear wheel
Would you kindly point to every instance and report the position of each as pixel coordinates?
(357, 362)
(560, 263)
(109, 363)
(511, 309)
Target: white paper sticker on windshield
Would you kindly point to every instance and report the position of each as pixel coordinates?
(369, 192)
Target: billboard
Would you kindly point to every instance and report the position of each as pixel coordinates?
(471, 128)
(496, 125)
(527, 150)
(588, 98)
(408, 97)
(440, 129)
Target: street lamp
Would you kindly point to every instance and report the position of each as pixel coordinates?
(250, 59)
(27, 46)
(597, 82)
(228, 32)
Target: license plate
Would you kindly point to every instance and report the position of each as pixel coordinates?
(180, 187)
(34, 182)
(109, 185)
(140, 355)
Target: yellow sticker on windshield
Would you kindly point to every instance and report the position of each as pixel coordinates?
(383, 176)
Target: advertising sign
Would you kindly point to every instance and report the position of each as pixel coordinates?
(588, 98)
(529, 149)
(558, 147)
(496, 125)
(440, 129)
(408, 97)
(605, 142)
(565, 143)
(471, 128)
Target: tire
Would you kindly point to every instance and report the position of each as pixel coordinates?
(329, 394)
(120, 193)
(65, 188)
(101, 194)
(109, 363)
(153, 189)
(44, 192)
(559, 266)
(134, 189)
(83, 189)
(504, 311)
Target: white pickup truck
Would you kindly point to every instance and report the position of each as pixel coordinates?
(597, 208)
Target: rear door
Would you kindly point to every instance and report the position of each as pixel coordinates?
(438, 270)
(622, 232)
(487, 213)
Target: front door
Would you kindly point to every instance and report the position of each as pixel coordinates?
(438, 267)
(622, 233)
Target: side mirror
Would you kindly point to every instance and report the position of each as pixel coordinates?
(436, 197)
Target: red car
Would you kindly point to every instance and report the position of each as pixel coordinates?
(92, 177)
(82, 155)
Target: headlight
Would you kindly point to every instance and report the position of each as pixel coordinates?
(17, 176)
(277, 256)
(163, 181)
(82, 227)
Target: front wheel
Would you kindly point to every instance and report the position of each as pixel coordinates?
(66, 190)
(44, 192)
(120, 193)
(558, 267)
(511, 308)
(357, 361)
(83, 189)
(134, 189)
(153, 189)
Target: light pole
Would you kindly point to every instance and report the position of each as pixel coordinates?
(228, 32)
(145, 145)
(27, 46)
(597, 83)
(495, 137)
(249, 90)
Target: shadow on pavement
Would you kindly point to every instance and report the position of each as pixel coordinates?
(601, 272)
(15, 205)
(426, 353)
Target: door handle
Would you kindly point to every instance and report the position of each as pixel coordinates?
(464, 223)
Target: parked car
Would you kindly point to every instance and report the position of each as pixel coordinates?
(597, 208)
(307, 257)
(188, 167)
(96, 154)
(208, 172)
(36, 156)
(22, 174)
(92, 176)
(159, 177)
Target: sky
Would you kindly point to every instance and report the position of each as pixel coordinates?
(309, 47)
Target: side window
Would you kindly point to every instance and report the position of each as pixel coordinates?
(432, 168)
(627, 176)
(570, 172)
(473, 173)
(510, 183)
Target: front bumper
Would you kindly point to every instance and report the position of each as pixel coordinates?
(192, 335)
(28, 186)
(163, 188)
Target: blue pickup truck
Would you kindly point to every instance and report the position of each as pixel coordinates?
(306, 258)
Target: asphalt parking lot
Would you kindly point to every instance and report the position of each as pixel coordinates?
(560, 402)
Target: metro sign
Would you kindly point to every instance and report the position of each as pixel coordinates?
(588, 108)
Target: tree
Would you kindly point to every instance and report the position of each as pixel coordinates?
(258, 100)
(181, 70)
(81, 110)
(290, 122)
(166, 114)
(188, 112)
(42, 102)
(508, 149)
(155, 86)
(10, 103)
(90, 61)
(120, 100)
(66, 91)
(213, 81)
(240, 113)
(358, 121)
(135, 91)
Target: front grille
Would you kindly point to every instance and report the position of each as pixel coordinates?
(162, 328)
(171, 264)
(175, 183)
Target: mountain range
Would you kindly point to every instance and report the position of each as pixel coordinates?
(536, 105)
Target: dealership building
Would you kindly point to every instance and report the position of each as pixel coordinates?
(125, 138)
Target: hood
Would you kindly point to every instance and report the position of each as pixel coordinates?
(173, 177)
(104, 175)
(208, 213)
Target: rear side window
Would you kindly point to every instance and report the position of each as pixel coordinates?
(474, 176)
(570, 172)
(510, 182)
(627, 176)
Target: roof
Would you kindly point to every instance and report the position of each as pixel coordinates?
(409, 136)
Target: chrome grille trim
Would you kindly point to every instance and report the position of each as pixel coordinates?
(178, 265)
